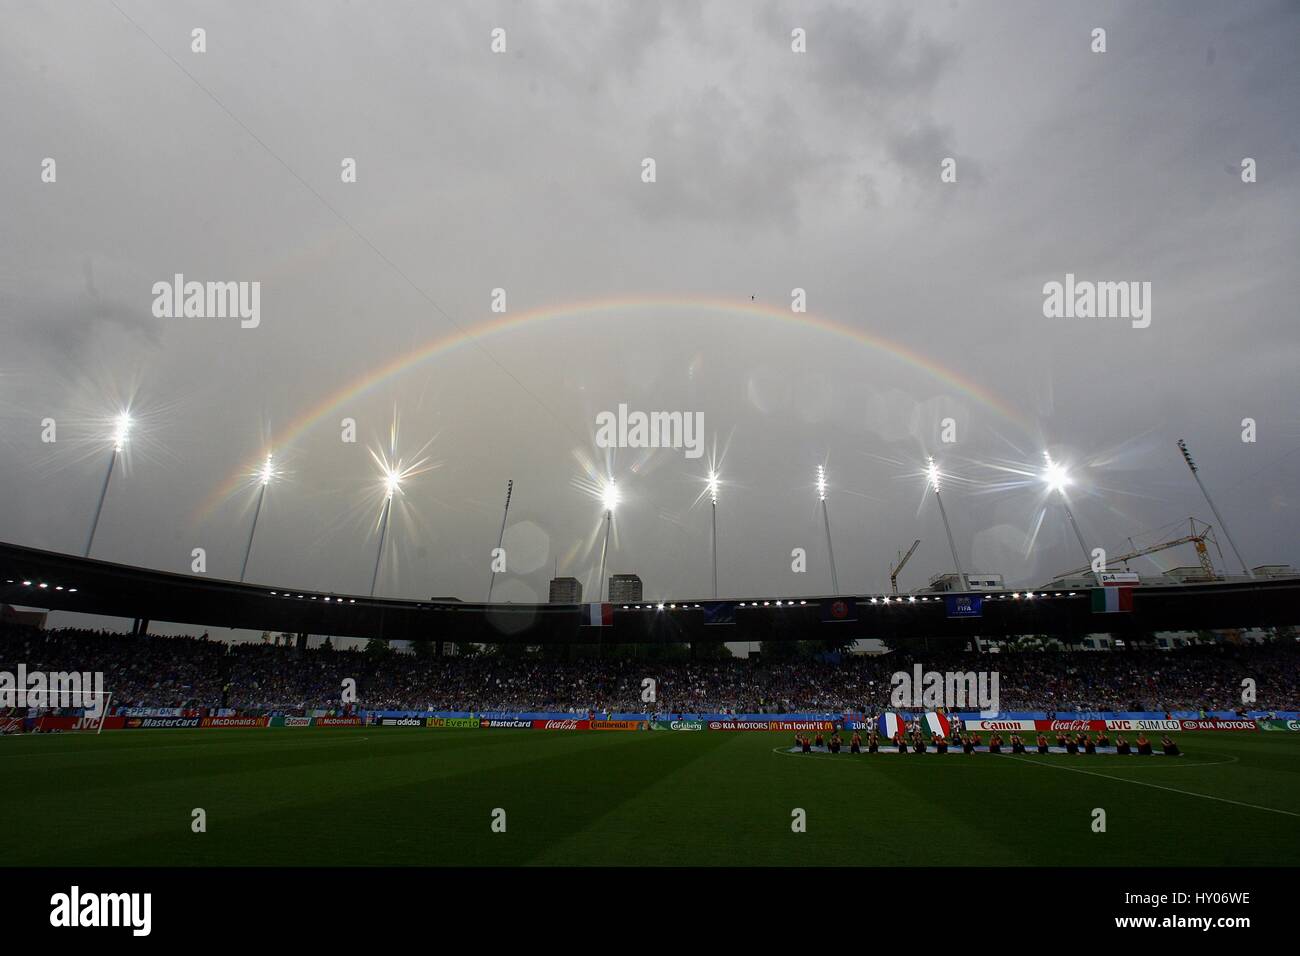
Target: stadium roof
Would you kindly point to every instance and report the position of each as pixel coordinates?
(34, 578)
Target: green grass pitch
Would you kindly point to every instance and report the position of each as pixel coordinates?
(331, 797)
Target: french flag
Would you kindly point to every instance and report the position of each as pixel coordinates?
(600, 615)
(891, 724)
(939, 724)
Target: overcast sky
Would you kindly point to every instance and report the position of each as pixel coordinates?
(522, 170)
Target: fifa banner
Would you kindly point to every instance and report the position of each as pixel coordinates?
(779, 725)
(234, 721)
(1217, 725)
(677, 725)
(452, 723)
(1292, 725)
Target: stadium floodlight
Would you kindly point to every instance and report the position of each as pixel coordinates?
(265, 476)
(932, 472)
(392, 483)
(1054, 475)
(826, 520)
(121, 432)
(1191, 465)
(609, 496)
(1058, 479)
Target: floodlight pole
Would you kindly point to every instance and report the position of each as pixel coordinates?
(826, 518)
(714, 508)
(1187, 457)
(961, 575)
(103, 492)
(383, 530)
(261, 495)
(1078, 535)
(604, 551)
(510, 487)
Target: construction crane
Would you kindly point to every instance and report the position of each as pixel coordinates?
(893, 572)
(1196, 538)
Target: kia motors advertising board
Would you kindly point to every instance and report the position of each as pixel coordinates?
(1217, 725)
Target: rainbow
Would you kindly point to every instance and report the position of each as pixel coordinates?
(455, 339)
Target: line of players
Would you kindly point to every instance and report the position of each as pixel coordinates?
(1070, 743)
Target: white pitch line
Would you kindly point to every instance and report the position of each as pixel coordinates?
(1156, 786)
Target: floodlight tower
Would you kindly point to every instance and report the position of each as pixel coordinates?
(1187, 457)
(266, 475)
(510, 487)
(121, 431)
(609, 497)
(392, 485)
(713, 505)
(1057, 478)
(826, 519)
(932, 469)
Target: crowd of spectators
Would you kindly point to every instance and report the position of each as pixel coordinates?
(153, 671)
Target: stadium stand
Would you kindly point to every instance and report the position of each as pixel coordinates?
(198, 672)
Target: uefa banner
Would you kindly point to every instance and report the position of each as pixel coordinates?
(506, 723)
(400, 721)
(562, 724)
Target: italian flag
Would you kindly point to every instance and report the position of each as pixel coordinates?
(600, 615)
(1111, 600)
(938, 723)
